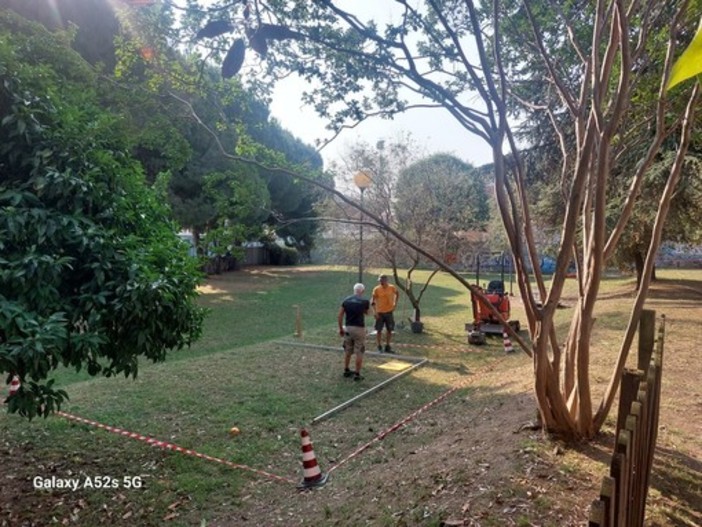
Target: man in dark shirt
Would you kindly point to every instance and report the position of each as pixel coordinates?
(354, 308)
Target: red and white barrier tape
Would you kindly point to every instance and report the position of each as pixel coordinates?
(170, 446)
(393, 428)
(382, 435)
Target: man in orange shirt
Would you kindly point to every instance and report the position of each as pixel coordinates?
(384, 300)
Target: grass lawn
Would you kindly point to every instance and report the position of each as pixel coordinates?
(236, 375)
(247, 371)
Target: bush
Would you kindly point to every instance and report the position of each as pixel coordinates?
(283, 255)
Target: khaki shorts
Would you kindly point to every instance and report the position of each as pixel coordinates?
(355, 339)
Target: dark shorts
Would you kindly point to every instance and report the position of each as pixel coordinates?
(385, 319)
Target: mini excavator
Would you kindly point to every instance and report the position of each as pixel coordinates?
(484, 320)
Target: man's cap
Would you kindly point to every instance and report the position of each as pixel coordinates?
(382, 276)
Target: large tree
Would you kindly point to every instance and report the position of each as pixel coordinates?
(429, 199)
(684, 225)
(440, 200)
(547, 133)
(93, 22)
(154, 87)
(381, 163)
(92, 274)
(189, 95)
(450, 55)
(437, 198)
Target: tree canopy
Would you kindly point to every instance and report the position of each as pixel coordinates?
(92, 274)
(198, 103)
(164, 98)
(97, 157)
(547, 170)
(433, 200)
(437, 198)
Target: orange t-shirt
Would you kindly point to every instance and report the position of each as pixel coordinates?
(384, 298)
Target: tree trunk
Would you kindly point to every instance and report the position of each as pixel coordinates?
(639, 266)
(416, 315)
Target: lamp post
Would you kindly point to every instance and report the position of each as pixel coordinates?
(362, 179)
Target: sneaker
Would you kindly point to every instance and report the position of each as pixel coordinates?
(388, 349)
(358, 377)
(380, 348)
(349, 373)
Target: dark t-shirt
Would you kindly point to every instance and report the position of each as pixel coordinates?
(355, 308)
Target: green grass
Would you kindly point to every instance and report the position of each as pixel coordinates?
(239, 374)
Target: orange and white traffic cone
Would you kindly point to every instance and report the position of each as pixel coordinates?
(313, 475)
(507, 343)
(14, 385)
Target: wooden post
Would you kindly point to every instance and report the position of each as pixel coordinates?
(608, 495)
(634, 425)
(647, 333)
(648, 446)
(654, 401)
(616, 472)
(298, 322)
(624, 451)
(628, 388)
(597, 514)
(623, 494)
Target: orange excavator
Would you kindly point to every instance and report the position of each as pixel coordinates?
(484, 320)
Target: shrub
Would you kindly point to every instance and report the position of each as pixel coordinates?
(283, 255)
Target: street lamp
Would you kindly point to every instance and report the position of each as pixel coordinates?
(362, 179)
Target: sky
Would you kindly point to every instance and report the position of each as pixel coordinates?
(433, 128)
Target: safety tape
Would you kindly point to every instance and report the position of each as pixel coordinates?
(382, 435)
(171, 446)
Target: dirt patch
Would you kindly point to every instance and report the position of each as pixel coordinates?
(474, 460)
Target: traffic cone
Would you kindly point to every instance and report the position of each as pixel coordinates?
(507, 343)
(14, 385)
(313, 475)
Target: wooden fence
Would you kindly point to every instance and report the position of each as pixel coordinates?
(622, 501)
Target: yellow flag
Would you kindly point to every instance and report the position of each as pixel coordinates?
(689, 63)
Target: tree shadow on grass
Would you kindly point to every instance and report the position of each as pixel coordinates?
(599, 449)
(677, 290)
(678, 477)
